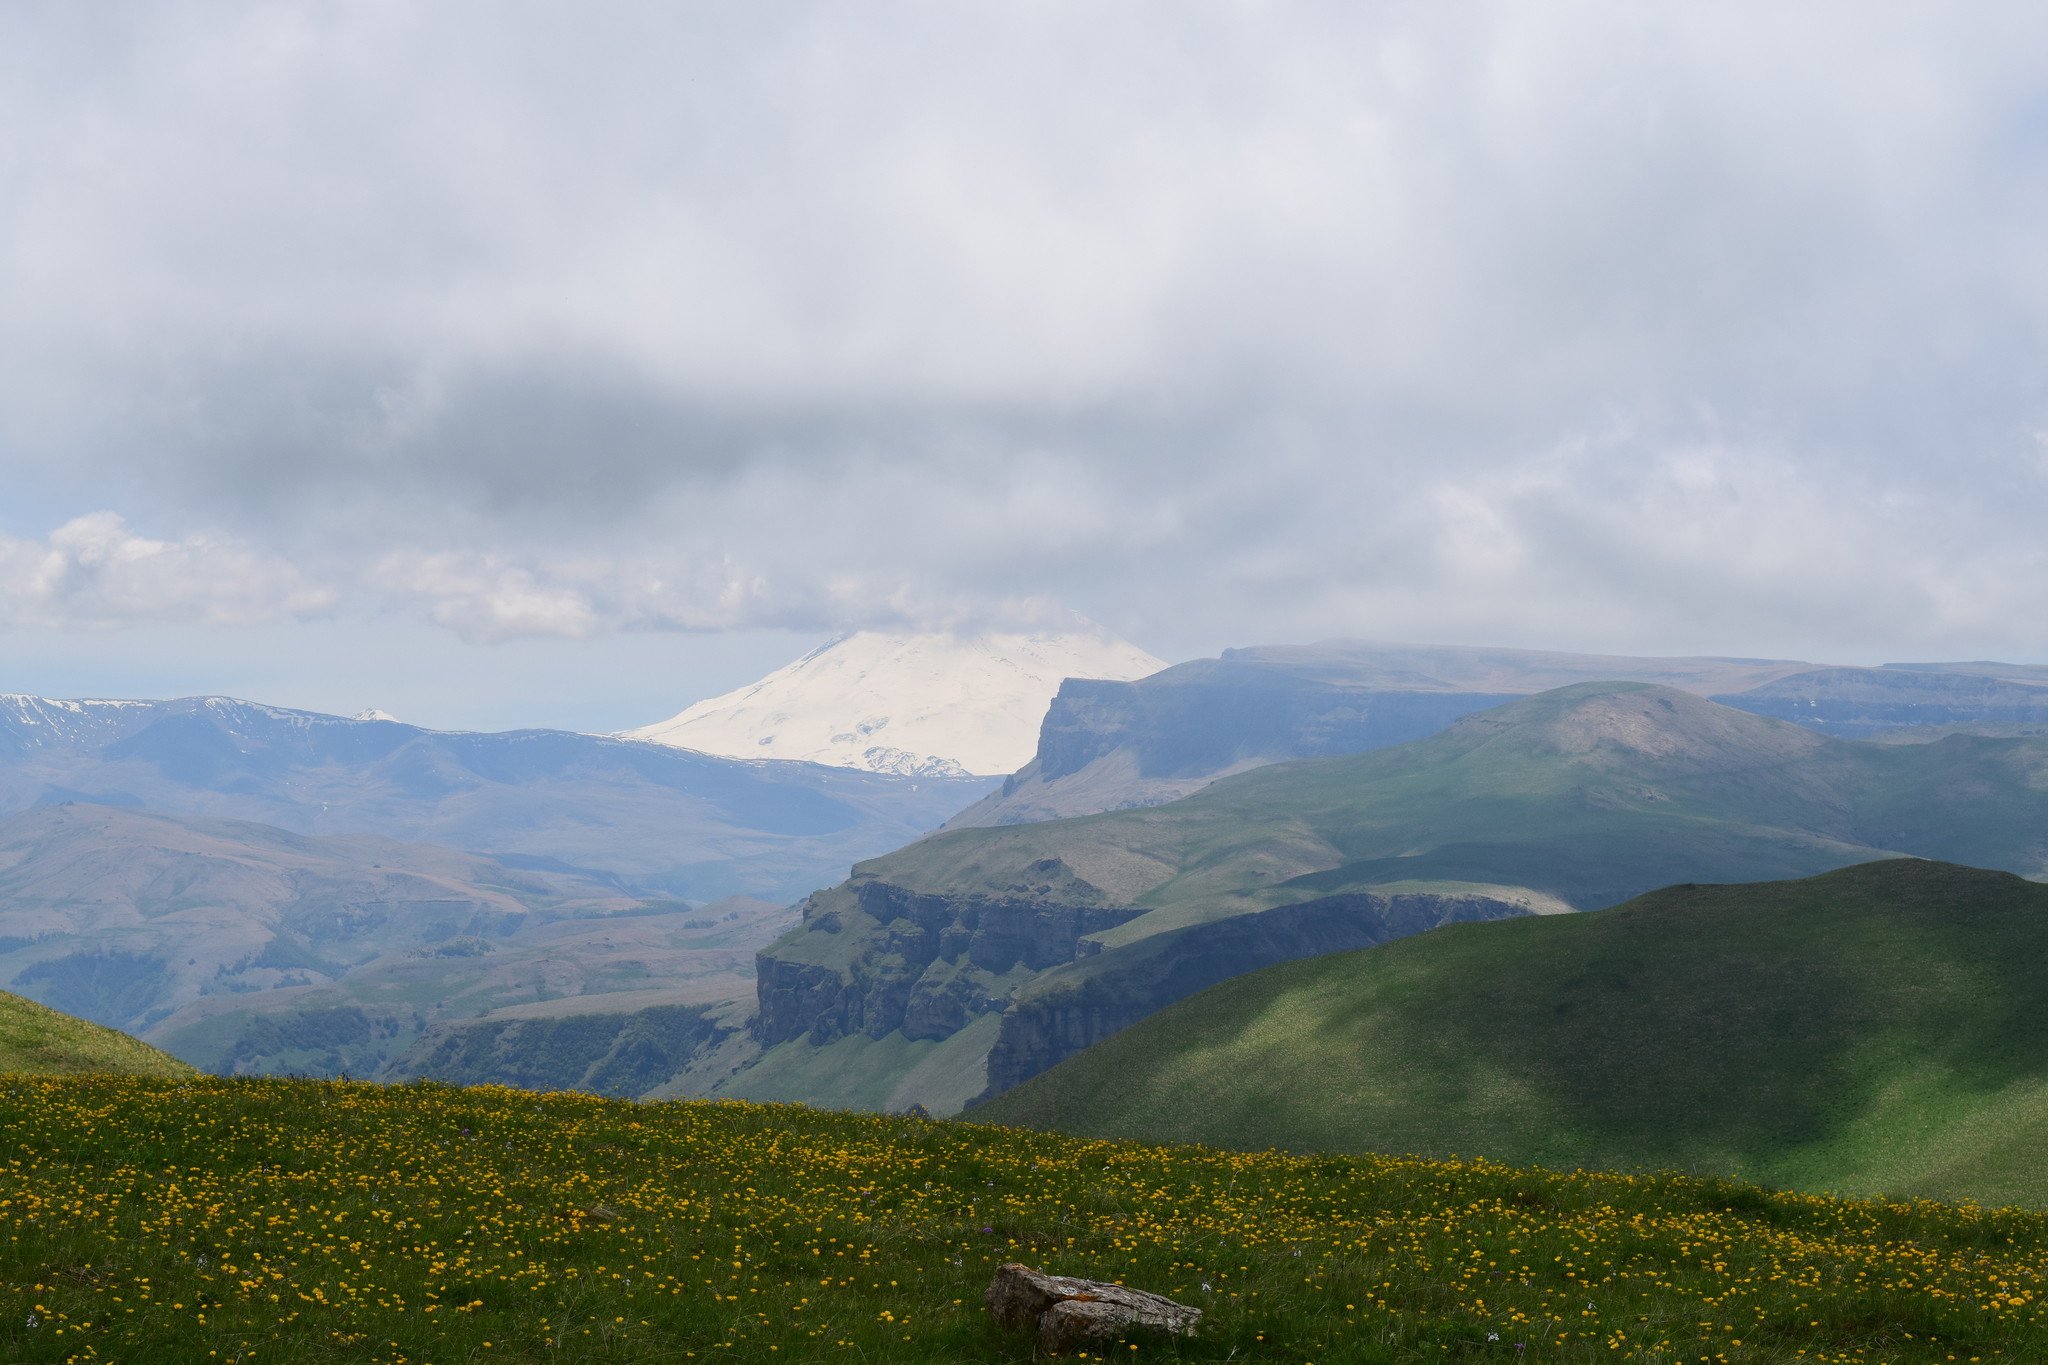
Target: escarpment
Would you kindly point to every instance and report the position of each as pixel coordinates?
(873, 957)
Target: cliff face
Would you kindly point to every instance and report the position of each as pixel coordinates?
(1124, 745)
(919, 962)
(1067, 1012)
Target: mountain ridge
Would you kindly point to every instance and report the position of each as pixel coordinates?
(1118, 746)
(667, 820)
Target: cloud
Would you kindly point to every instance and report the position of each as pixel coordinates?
(95, 573)
(1574, 323)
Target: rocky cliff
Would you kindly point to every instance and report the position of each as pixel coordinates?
(872, 957)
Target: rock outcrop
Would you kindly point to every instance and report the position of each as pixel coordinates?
(1067, 1312)
(925, 964)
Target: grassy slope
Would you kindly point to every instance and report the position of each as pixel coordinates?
(36, 1040)
(299, 1222)
(1883, 1028)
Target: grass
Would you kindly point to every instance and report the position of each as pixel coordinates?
(1881, 1029)
(264, 1219)
(37, 1040)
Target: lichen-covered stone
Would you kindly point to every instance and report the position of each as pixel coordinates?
(1067, 1311)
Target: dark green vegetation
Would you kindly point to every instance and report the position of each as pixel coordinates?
(273, 1220)
(36, 1040)
(1882, 1029)
(1574, 799)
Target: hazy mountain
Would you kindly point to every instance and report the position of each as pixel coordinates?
(238, 945)
(677, 822)
(1876, 1030)
(124, 916)
(997, 951)
(1859, 703)
(931, 704)
(1120, 745)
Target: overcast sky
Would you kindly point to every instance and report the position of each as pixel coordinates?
(560, 363)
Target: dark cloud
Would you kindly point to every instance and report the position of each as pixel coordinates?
(1686, 327)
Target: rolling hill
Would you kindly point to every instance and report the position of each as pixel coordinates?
(36, 1040)
(998, 951)
(1880, 1029)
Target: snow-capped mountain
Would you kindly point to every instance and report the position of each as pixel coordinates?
(937, 704)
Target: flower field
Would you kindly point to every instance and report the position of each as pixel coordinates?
(276, 1220)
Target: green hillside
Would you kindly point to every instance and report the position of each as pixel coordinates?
(1882, 1029)
(1576, 799)
(36, 1040)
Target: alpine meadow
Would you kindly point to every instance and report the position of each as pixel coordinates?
(278, 1220)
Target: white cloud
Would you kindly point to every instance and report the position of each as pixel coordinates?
(94, 572)
(1582, 323)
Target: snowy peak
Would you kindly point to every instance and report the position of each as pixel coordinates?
(916, 705)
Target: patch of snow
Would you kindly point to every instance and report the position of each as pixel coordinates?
(372, 713)
(926, 705)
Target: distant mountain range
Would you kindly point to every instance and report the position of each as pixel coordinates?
(660, 820)
(259, 888)
(1876, 1030)
(978, 957)
(914, 705)
(1108, 745)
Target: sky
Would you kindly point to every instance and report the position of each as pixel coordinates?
(511, 363)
